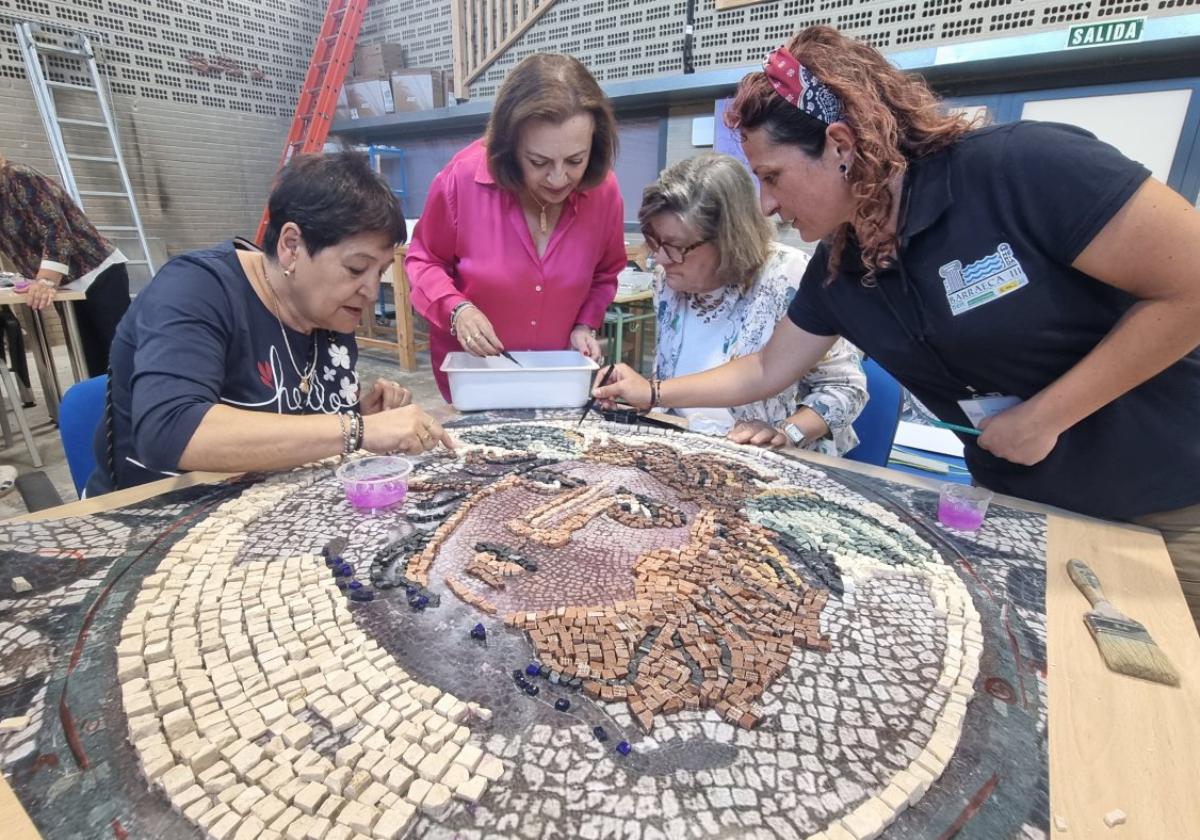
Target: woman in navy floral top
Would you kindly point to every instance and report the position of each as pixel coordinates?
(235, 359)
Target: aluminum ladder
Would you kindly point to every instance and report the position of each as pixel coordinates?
(67, 64)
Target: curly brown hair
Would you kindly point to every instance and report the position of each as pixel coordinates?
(895, 118)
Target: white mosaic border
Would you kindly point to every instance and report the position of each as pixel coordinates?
(216, 657)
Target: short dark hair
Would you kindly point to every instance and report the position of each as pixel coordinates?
(331, 197)
(551, 87)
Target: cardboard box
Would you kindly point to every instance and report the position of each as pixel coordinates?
(418, 89)
(363, 98)
(377, 61)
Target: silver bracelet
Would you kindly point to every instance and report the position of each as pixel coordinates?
(345, 433)
(454, 313)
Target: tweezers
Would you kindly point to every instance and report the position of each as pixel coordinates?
(509, 356)
(587, 406)
(632, 417)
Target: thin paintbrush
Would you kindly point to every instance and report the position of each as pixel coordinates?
(966, 430)
(1124, 644)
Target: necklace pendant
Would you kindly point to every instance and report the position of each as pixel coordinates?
(304, 386)
(542, 219)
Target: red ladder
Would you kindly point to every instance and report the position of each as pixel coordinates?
(322, 84)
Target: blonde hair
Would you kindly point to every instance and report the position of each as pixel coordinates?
(713, 195)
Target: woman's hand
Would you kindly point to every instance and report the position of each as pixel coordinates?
(42, 292)
(1018, 435)
(758, 433)
(385, 395)
(583, 339)
(625, 383)
(409, 430)
(475, 333)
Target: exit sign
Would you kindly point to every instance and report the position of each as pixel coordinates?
(1109, 32)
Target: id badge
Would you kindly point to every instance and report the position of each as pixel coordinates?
(981, 408)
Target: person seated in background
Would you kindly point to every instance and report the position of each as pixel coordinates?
(50, 240)
(721, 285)
(235, 359)
(522, 236)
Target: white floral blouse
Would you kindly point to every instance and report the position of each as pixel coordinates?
(836, 388)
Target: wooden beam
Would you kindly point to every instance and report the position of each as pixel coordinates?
(509, 40)
(458, 36)
(405, 338)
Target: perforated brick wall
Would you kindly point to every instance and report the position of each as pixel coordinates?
(627, 39)
(203, 91)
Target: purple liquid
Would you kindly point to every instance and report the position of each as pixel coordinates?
(376, 495)
(963, 516)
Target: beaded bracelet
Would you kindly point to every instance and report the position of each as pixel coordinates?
(358, 427)
(454, 313)
(346, 450)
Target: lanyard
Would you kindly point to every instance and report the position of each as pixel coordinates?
(916, 305)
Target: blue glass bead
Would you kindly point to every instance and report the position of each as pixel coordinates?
(600, 734)
(362, 595)
(344, 570)
(478, 632)
(533, 669)
(562, 704)
(422, 602)
(355, 584)
(623, 748)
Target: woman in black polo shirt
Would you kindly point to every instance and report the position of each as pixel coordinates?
(1028, 260)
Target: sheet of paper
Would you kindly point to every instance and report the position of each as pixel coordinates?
(928, 438)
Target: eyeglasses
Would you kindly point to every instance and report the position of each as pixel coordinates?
(673, 253)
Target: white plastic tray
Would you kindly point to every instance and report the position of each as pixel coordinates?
(546, 379)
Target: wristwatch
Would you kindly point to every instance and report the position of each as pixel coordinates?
(794, 434)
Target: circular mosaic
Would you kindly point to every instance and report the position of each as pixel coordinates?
(566, 633)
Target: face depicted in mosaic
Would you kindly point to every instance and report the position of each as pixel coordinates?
(635, 571)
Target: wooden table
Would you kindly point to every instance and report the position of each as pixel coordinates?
(1115, 742)
(43, 354)
(406, 344)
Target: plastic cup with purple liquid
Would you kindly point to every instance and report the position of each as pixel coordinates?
(375, 483)
(962, 506)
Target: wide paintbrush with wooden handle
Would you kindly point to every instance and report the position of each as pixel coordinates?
(1124, 643)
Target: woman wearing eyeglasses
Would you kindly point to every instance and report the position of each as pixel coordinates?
(722, 286)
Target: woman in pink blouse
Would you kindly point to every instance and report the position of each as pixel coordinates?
(523, 231)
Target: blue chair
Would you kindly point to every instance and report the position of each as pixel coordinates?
(79, 414)
(876, 426)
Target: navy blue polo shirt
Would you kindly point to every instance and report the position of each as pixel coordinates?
(199, 335)
(983, 300)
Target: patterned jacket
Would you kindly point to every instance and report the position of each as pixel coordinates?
(836, 388)
(41, 227)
